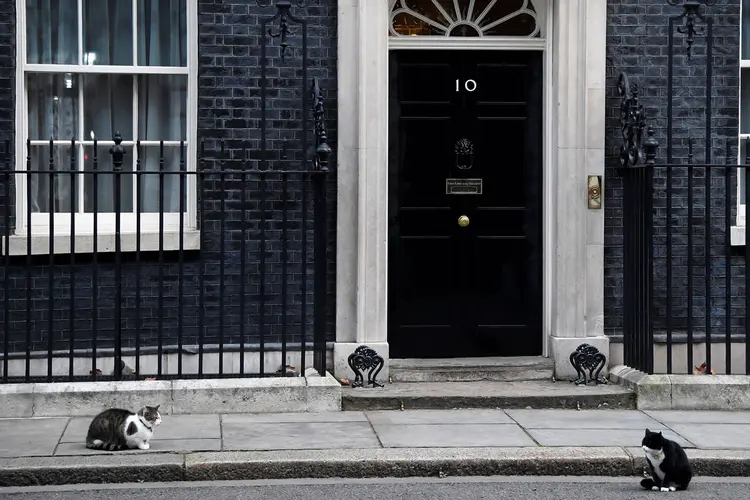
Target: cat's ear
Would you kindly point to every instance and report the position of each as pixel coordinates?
(660, 433)
(648, 431)
(157, 407)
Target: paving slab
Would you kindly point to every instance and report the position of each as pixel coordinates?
(239, 434)
(452, 435)
(715, 436)
(157, 445)
(584, 419)
(596, 437)
(172, 427)
(479, 416)
(270, 418)
(30, 436)
(669, 417)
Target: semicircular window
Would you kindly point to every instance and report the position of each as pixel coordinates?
(464, 18)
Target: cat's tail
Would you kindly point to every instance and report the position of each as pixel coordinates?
(98, 444)
(648, 483)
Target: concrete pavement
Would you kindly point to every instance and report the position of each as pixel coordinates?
(473, 488)
(374, 443)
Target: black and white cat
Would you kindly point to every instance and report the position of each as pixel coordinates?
(117, 429)
(670, 467)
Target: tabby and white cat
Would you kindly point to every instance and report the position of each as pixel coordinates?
(117, 429)
(669, 464)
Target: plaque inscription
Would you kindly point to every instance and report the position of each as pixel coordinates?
(463, 186)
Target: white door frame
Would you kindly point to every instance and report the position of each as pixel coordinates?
(573, 112)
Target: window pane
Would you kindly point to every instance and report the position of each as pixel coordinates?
(741, 171)
(745, 101)
(162, 32)
(52, 31)
(53, 106)
(108, 32)
(406, 24)
(745, 29)
(151, 190)
(108, 106)
(104, 186)
(162, 101)
(41, 182)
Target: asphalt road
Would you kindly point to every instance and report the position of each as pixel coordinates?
(473, 488)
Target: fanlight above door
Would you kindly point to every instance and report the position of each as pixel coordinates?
(464, 18)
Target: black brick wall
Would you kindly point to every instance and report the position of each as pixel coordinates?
(229, 107)
(637, 43)
(228, 110)
(7, 69)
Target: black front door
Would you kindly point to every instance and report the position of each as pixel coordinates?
(465, 246)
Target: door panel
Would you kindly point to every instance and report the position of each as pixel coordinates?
(471, 290)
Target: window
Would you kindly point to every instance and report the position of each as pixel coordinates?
(744, 109)
(88, 69)
(479, 18)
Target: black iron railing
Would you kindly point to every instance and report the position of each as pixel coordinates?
(696, 303)
(685, 286)
(234, 287)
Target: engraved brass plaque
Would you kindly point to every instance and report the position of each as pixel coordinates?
(463, 186)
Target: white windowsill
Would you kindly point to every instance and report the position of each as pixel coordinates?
(737, 236)
(84, 243)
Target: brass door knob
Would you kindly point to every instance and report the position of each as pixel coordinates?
(463, 221)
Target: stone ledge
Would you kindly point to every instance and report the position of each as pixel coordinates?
(101, 469)
(349, 463)
(208, 396)
(711, 463)
(684, 392)
(352, 463)
(408, 462)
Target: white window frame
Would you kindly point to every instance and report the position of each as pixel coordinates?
(84, 222)
(737, 235)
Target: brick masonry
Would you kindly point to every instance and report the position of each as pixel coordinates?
(229, 110)
(229, 104)
(637, 43)
(7, 65)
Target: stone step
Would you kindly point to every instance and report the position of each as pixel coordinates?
(535, 394)
(471, 369)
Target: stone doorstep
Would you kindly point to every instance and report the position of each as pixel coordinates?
(352, 463)
(684, 392)
(535, 394)
(311, 393)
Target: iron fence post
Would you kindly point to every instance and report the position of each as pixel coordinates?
(650, 145)
(322, 155)
(6, 261)
(118, 152)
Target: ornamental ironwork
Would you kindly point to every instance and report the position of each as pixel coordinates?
(464, 151)
(322, 149)
(284, 15)
(691, 13)
(364, 358)
(588, 358)
(632, 122)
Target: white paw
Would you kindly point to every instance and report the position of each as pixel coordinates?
(663, 488)
(655, 488)
(144, 446)
(672, 488)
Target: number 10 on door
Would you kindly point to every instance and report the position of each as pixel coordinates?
(469, 85)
